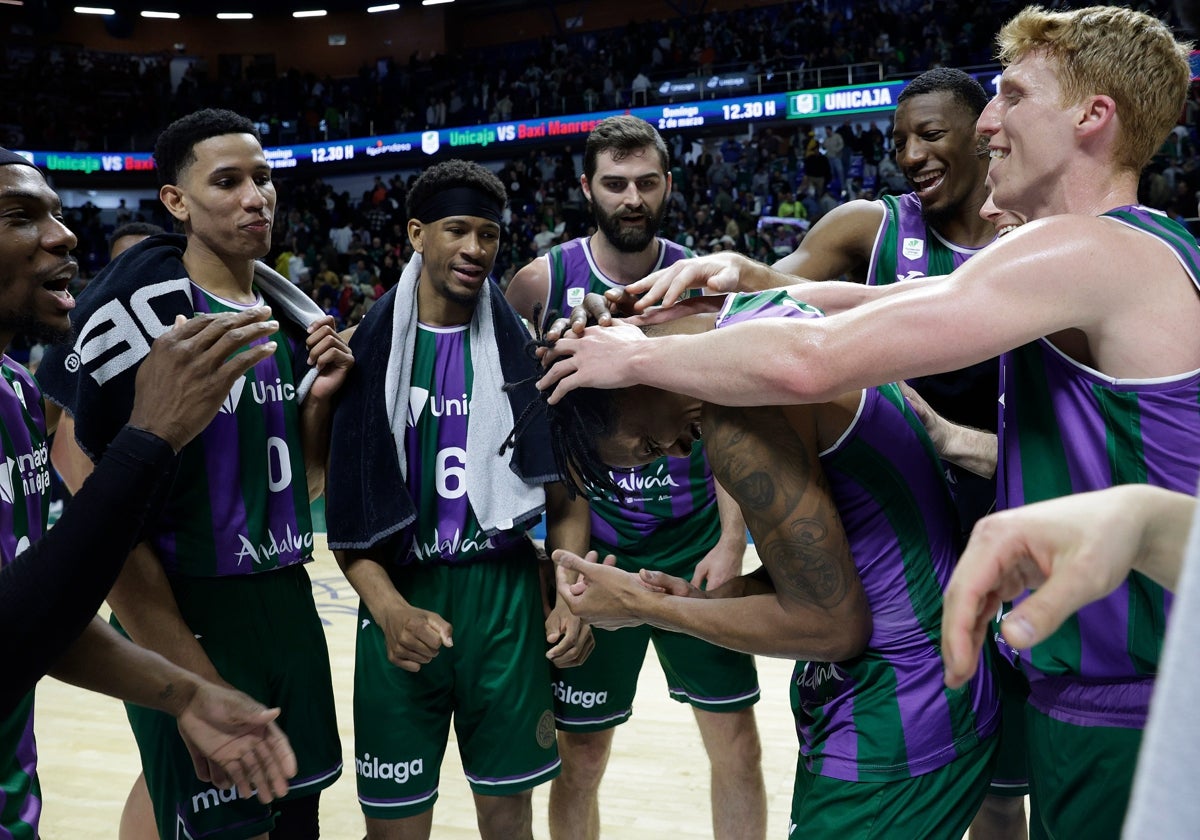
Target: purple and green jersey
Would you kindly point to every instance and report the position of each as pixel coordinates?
(1069, 429)
(905, 247)
(446, 531)
(24, 503)
(886, 714)
(669, 508)
(239, 504)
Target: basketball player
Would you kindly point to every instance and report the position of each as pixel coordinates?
(48, 597)
(1102, 388)
(883, 746)
(671, 516)
(220, 585)
(428, 519)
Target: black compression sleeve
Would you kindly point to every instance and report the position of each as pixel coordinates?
(52, 590)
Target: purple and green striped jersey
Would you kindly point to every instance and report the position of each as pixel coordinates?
(24, 503)
(669, 509)
(906, 248)
(886, 714)
(239, 503)
(446, 530)
(1068, 429)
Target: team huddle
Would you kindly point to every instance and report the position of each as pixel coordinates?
(1021, 329)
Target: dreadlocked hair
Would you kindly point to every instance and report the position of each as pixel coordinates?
(574, 424)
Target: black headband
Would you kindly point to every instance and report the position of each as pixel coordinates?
(8, 158)
(459, 201)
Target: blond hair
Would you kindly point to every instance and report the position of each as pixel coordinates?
(1124, 54)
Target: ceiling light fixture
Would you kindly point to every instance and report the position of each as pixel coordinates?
(234, 16)
(161, 15)
(389, 7)
(309, 13)
(93, 10)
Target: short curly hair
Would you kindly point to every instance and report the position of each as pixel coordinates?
(175, 149)
(454, 173)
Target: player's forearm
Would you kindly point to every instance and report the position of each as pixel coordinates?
(371, 581)
(104, 661)
(971, 449)
(316, 419)
(733, 524)
(757, 624)
(67, 573)
(568, 521)
(144, 603)
(1166, 521)
(739, 371)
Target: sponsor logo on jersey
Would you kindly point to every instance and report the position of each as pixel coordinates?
(213, 798)
(417, 397)
(369, 767)
(817, 673)
(273, 392)
(641, 482)
(574, 697)
(912, 248)
(439, 405)
(34, 471)
(913, 274)
(230, 403)
(289, 543)
(455, 546)
(575, 296)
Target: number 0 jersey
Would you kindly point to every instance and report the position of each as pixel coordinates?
(239, 503)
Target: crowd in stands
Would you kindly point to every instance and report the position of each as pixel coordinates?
(63, 97)
(756, 193)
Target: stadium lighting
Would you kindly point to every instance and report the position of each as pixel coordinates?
(93, 10)
(234, 16)
(387, 7)
(435, 2)
(12, 2)
(309, 13)
(162, 15)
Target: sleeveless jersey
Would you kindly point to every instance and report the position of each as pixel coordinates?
(24, 503)
(446, 530)
(670, 505)
(239, 503)
(886, 714)
(1069, 429)
(906, 248)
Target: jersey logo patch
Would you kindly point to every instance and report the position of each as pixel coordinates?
(6, 482)
(912, 248)
(230, 403)
(417, 397)
(20, 392)
(575, 296)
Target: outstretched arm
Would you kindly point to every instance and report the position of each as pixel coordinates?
(1028, 285)
(233, 738)
(1073, 550)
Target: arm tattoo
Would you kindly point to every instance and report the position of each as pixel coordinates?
(769, 470)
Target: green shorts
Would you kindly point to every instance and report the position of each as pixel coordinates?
(1011, 774)
(938, 804)
(263, 635)
(1080, 777)
(599, 694)
(494, 683)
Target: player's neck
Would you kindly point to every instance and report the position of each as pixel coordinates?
(231, 279)
(620, 266)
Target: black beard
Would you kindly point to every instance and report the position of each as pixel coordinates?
(23, 323)
(629, 241)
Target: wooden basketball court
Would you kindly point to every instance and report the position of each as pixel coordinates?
(656, 784)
